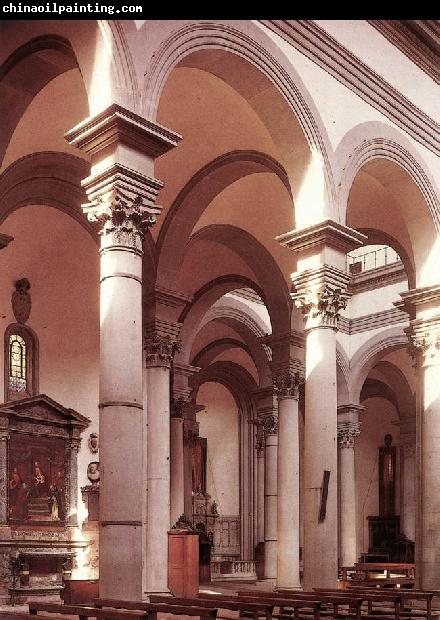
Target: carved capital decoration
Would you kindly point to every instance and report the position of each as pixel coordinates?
(122, 217)
(287, 384)
(160, 350)
(424, 348)
(270, 425)
(321, 308)
(347, 433)
(178, 406)
(259, 438)
(21, 300)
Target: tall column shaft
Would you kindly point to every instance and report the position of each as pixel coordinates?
(430, 472)
(287, 385)
(120, 421)
(320, 449)
(424, 334)
(288, 494)
(408, 508)
(260, 495)
(159, 353)
(270, 497)
(319, 291)
(177, 473)
(348, 430)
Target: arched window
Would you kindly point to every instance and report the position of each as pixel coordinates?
(20, 362)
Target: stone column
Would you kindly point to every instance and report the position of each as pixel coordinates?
(287, 384)
(160, 350)
(425, 338)
(177, 473)
(349, 428)
(408, 483)
(260, 482)
(121, 192)
(319, 286)
(270, 425)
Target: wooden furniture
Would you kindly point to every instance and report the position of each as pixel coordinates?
(183, 562)
(77, 591)
(186, 608)
(296, 605)
(254, 608)
(140, 611)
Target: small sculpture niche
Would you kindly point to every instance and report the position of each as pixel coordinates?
(387, 478)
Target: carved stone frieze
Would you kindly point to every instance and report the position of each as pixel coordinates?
(287, 383)
(321, 308)
(160, 350)
(347, 433)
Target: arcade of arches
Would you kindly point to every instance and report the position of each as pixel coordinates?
(220, 298)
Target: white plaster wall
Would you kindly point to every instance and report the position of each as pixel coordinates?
(339, 108)
(370, 46)
(219, 424)
(61, 261)
(377, 421)
(58, 107)
(376, 300)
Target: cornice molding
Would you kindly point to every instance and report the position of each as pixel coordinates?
(315, 43)
(376, 320)
(377, 278)
(403, 35)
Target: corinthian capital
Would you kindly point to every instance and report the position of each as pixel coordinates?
(126, 219)
(121, 205)
(347, 433)
(160, 349)
(287, 383)
(424, 341)
(270, 425)
(321, 308)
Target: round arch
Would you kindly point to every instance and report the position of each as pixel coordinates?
(271, 285)
(49, 178)
(369, 354)
(195, 43)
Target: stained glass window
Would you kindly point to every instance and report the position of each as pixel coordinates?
(17, 363)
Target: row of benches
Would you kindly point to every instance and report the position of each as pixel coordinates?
(385, 573)
(356, 604)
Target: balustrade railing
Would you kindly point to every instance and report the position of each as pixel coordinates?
(371, 260)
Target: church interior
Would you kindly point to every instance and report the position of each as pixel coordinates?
(220, 300)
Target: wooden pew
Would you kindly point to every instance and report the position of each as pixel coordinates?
(147, 612)
(249, 597)
(282, 596)
(254, 607)
(425, 596)
(191, 609)
(23, 615)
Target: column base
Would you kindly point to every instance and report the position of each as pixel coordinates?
(267, 583)
(298, 588)
(161, 592)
